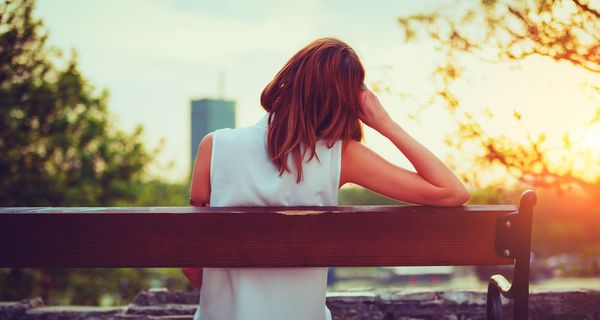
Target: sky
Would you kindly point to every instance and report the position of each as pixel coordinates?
(154, 56)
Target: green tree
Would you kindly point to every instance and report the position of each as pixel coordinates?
(57, 142)
(58, 147)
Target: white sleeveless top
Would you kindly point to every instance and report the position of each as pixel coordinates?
(241, 174)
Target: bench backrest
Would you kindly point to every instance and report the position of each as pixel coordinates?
(278, 237)
(251, 236)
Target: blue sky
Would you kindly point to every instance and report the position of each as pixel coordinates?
(155, 55)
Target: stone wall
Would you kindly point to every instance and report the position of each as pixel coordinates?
(380, 305)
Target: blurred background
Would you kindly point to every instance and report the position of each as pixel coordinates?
(103, 103)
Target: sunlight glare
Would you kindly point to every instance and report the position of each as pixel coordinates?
(592, 139)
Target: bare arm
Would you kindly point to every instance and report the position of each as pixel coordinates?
(200, 185)
(200, 195)
(432, 184)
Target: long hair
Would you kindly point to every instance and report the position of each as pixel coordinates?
(315, 96)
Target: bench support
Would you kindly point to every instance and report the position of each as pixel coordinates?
(513, 240)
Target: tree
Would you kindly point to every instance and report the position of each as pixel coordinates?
(57, 142)
(511, 31)
(500, 31)
(59, 148)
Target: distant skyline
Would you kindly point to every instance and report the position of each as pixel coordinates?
(154, 57)
(208, 115)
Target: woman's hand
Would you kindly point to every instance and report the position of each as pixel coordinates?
(372, 112)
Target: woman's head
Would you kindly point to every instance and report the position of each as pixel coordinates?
(316, 95)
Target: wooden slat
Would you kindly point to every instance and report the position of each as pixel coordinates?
(249, 237)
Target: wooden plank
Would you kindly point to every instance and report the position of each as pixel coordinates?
(249, 237)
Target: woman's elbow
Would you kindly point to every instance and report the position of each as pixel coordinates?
(463, 196)
(460, 197)
(455, 198)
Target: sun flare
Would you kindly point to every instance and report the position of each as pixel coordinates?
(592, 138)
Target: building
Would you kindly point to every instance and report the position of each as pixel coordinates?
(208, 115)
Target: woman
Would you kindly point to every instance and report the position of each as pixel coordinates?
(301, 153)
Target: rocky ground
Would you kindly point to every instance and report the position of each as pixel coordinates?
(380, 305)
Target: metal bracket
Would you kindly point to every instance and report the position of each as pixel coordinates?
(513, 240)
(506, 230)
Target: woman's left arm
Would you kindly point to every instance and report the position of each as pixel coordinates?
(200, 194)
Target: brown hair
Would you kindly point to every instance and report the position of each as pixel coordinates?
(316, 95)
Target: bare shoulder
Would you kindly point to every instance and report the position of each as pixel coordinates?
(205, 145)
(354, 155)
(204, 155)
(352, 149)
(200, 186)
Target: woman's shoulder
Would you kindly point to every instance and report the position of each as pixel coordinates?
(349, 145)
(205, 144)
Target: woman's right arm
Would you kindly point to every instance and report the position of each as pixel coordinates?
(200, 184)
(200, 195)
(432, 184)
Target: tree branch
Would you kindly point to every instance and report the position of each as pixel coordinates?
(587, 8)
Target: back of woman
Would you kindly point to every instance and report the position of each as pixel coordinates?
(242, 175)
(305, 148)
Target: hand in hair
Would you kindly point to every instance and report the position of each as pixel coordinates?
(372, 113)
(432, 183)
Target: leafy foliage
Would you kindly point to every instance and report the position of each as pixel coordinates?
(59, 148)
(499, 31)
(494, 31)
(56, 139)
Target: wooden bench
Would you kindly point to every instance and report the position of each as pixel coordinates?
(345, 236)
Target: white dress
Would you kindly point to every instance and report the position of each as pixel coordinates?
(241, 174)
